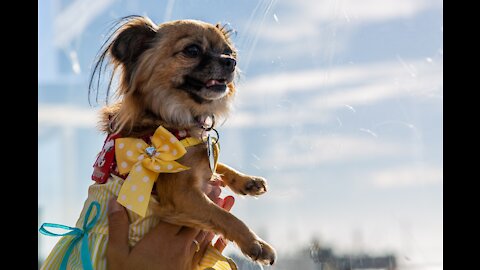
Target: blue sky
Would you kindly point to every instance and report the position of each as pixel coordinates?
(339, 105)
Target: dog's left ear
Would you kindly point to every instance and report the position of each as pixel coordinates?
(133, 38)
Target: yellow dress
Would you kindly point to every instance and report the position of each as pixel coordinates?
(98, 235)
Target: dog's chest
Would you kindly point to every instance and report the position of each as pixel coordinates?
(197, 159)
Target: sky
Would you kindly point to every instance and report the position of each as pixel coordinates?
(339, 106)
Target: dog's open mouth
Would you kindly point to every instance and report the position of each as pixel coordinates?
(218, 85)
(214, 82)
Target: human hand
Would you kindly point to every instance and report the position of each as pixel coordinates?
(213, 190)
(165, 247)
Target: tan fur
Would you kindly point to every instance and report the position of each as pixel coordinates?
(149, 98)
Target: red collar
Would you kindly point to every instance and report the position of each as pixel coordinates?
(106, 164)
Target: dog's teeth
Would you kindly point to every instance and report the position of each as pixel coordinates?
(210, 83)
(213, 82)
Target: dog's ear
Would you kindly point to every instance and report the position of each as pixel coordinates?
(133, 38)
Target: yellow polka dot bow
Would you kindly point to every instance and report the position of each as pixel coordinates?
(144, 162)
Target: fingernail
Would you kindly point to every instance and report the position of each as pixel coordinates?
(225, 241)
(113, 206)
(228, 203)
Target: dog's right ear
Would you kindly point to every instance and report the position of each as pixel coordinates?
(133, 38)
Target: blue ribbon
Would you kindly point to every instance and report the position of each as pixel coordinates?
(79, 235)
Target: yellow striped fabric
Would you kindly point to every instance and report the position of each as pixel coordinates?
(98, 236)
(213, 259)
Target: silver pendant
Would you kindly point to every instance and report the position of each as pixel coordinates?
(211, 158)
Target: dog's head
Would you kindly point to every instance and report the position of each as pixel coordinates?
(178, 71)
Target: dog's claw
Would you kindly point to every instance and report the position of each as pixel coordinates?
(256, 186)
(261, 252)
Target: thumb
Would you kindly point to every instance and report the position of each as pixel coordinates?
(117, 247)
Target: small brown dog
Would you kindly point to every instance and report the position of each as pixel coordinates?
(177, 75)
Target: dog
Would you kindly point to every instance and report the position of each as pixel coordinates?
(180, 75)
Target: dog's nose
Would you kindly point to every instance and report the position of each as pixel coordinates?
(229, 63)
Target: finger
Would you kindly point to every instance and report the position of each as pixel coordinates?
(200, 238)
(207, 189)
(117, 247)
(214, 193)
(220, 244)
(203, 248)
(228, 203)
(209, 237)
(219, 201)
(216, 182)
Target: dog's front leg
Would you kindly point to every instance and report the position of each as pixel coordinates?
(241, 183)
(191, 207)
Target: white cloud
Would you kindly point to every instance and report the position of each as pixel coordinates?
(306, 151)
(317, 93)
(319, 15)
(393, 72)
(366, 10)
(407, 176)
(316, 31)
(66, 115)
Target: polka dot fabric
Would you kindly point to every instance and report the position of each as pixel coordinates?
(143, 163)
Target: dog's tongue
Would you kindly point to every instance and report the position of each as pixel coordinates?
(213, 82)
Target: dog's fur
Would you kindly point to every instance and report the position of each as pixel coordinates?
(163, 82)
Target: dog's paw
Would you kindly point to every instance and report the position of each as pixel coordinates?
(260, 252)
(255, 186)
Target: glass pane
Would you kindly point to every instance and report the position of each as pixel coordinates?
(339, 105)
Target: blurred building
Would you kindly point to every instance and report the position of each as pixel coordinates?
(317, 258)
(326, 259)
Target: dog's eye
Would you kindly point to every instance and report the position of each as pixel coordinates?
(192, 50)
(228, 51)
